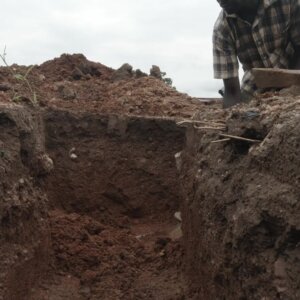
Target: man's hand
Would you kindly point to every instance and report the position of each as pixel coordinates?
(232, 93)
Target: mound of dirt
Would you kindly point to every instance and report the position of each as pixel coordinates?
(72, 82)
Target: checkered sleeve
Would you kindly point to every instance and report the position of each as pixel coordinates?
(224, 51)
(295, 23)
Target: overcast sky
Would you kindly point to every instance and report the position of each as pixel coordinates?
(173, 34)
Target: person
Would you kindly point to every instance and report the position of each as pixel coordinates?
(258, 34)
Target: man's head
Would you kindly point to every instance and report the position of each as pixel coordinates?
(239, 6)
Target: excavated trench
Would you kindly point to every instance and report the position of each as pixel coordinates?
(101, 223)
(88, 202)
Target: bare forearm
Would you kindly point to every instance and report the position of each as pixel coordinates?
(296, 61)
(232, 94)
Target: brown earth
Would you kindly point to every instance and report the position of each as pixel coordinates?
(95, 158)
(242, 213)
(90, 185)
(72, 82)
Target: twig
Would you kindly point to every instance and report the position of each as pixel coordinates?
(199, 122)
(209, 128)
(220, 141)
(240, 138)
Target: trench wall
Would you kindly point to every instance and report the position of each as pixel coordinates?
(106, 164)
(103, 165)
(24, 235)
(241, 210)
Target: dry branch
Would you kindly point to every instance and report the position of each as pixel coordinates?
(220, 141)
(239, 138)
(209, 128)
(208, 123)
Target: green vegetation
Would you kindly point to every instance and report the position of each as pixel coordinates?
(166, 80)
(22, 78)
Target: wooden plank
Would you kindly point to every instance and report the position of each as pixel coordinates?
(276, 78)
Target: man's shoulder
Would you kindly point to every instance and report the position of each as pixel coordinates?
(221, 22)
(222, 27)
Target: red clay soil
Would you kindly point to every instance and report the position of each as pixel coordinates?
(108, 230)
(72, 82)
(113, 226)
(89, 189)
(105, 262)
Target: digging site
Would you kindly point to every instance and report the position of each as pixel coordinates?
(116, 186)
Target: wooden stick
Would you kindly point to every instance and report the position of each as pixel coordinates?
(275, 78)
(220, 141)
(199, 122)
(209, 128)
(239, 138)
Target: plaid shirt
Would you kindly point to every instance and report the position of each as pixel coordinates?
(267, 43)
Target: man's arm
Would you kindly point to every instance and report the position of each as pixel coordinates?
(225, 59)
(295, 33)
(296, 60)
(232, 93)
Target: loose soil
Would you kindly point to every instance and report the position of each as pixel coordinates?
(95, 160)
(90, 186)
(242, 212)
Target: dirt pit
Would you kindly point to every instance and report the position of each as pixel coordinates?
(113, 194)
(89, 183)
(93, 173)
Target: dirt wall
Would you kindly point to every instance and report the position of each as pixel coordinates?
(113, 164)
(112, 197)
(88, 205)
(24, 236)
(241, 212)
(104, 186)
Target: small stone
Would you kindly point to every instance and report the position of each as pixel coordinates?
(42, 77)
(77, 74)
(73, 156)
(123, 73)
(4, 87)
(177, 216)
(65, 91)
(155, 72)
(68, 93)
(45, 164)
(140, 74)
